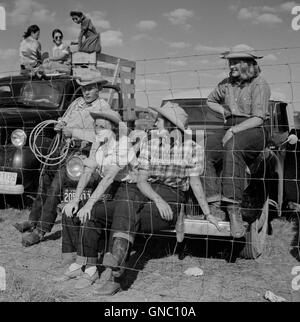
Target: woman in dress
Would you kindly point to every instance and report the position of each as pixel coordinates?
(89, 39)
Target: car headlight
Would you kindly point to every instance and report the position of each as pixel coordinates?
(75, 167)
(18, 138)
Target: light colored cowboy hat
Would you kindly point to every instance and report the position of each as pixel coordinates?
(241, 51)
(107, 114)
(90, 76)
(174, 113)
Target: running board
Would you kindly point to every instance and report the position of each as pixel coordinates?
(204, 228)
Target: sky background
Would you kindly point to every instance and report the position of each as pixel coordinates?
(176, 43)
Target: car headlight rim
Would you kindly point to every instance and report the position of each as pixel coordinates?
(74, 167)
(18, 138)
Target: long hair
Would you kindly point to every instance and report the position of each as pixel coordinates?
(31, 29)
(249, 69)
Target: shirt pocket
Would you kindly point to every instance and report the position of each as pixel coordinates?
(245, 103)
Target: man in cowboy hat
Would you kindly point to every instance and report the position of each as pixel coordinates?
(77, 117)
(165, 171)
(243, 100)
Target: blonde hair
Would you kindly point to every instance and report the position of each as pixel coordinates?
(249, 69)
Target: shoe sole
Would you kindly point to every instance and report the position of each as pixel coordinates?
(110, 294)
(89, 284)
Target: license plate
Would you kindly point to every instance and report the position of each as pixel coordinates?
(69, 195)
(8, 178)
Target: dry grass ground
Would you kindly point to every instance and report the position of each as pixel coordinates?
(30, 271)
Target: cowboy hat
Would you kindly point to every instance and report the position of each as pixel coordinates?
(241, 51)
(174, 113)
(90, 76)
(107, 114)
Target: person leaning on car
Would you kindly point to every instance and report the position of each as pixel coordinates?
(243, 100)
(43, 213)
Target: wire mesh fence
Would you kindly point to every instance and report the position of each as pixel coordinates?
(273, 186)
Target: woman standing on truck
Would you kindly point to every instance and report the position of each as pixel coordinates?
(89, 39)
(30, 49)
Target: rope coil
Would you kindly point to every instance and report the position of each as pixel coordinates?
(48, 159)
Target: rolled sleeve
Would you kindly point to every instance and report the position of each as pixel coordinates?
(196, 162)
(260, 99)
(218, 94)
(125, 153)
(91, 162)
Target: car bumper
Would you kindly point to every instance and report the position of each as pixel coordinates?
(22, 162)
(205, 228)
(12, 190)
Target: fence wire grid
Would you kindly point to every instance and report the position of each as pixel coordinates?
(153, 270)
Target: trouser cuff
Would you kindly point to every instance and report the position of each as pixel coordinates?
(127, 236)
(80, 260)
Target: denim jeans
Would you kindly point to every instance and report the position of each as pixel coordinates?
(43, 212)
(126, 214)
(225, 167)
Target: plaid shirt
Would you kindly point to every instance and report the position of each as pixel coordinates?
(171, 164)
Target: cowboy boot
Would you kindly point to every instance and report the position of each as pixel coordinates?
(109, 287)
(114, 262)
(24, 226)
(33, 238)
(237, 227)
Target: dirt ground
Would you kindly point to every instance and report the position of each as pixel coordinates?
(154, 276)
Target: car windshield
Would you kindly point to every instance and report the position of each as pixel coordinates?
(197, 110)
(42, 94)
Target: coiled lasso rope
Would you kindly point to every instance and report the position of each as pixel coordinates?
(48, 159)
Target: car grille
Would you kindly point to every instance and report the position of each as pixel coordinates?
(5, 133)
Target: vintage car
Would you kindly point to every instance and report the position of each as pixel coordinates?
(274, 171)
(24, 103)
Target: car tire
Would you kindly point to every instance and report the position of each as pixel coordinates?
(256, 235)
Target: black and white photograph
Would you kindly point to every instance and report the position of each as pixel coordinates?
(149, 153)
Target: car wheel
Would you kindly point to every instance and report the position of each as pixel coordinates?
(256, 235)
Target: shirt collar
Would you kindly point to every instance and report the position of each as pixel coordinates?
(92, 104)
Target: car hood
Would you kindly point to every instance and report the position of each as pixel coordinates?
(26, 116)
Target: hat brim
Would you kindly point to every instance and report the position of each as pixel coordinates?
(171, 118)
(99, 80)
(240, 55)
(105, 116)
